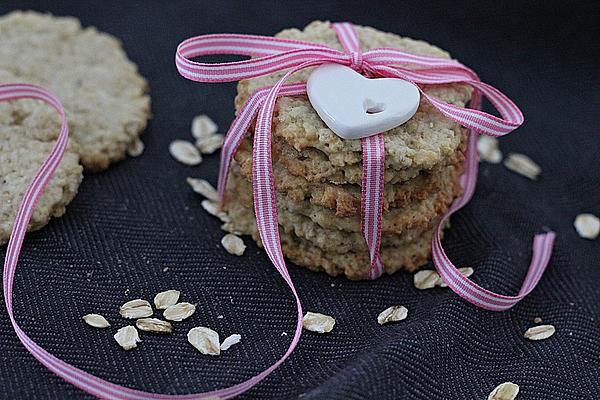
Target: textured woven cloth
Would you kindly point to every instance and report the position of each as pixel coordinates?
(129, 223)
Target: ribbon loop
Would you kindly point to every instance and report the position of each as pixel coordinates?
(356, 61)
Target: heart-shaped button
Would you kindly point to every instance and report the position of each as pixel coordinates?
(354, 106)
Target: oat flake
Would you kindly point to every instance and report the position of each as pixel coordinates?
(203, 188)
(135, 309)
(204, 340)
(127, 337)
(233, 244)
(319, 323)
(212, 208)
(185, 152)
(210, 144)
(521, 164)
(540, 332)
(587, 226)
(96, 320)
(230, 341)
(504, 391)
(426, 279)
(179, 311)
(136, 148)
(154, 325)
(392, 314)
(487, 148)
(231, 228)
(165, 299)
(203, 126)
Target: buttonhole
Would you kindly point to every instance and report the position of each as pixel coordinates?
(372, 107)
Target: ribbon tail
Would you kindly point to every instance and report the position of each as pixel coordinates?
(463, 286)
(372, 199)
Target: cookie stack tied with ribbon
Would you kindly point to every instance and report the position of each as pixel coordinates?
(318, 174)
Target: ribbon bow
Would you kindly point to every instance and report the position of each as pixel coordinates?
(272, 55)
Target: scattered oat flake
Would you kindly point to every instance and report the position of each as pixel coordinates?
(521, 164)
(587, 226)
(179, 311)
(487, 148)
(210, 144)
(203, 126)
(135, 309)
(202, 187)
(426, 279)
(205, 340)
(165, 299)
(96, 320)
(136, 148)
(319, 323)
(392, 314)
(154, 325)
(185, 152)
(231, 228)
(540, 332)
(537, 320)
(230, 341)
(233, 244)
(127, 337)
(505, 391)
(212, 208)
(466, 271)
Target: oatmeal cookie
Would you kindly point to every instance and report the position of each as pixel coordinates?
(354, 264)
(105, 97)
(21, 154)
(345, 199)
(415, 215)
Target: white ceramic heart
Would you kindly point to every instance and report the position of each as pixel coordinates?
(354, 106)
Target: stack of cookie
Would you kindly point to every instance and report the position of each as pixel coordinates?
(318, 175)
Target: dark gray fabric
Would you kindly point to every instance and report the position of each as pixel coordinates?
(133, 220)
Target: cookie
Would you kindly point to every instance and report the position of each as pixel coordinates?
(416, 215)
(314, 166)
(21, 154)
(345, 199)
(105, 97)
(333, 241)
(354, 264)
(424, 141)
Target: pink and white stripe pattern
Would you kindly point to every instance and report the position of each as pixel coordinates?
(372, 199)
(271, 55)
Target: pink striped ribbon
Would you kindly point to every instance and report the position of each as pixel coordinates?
(271, 55)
